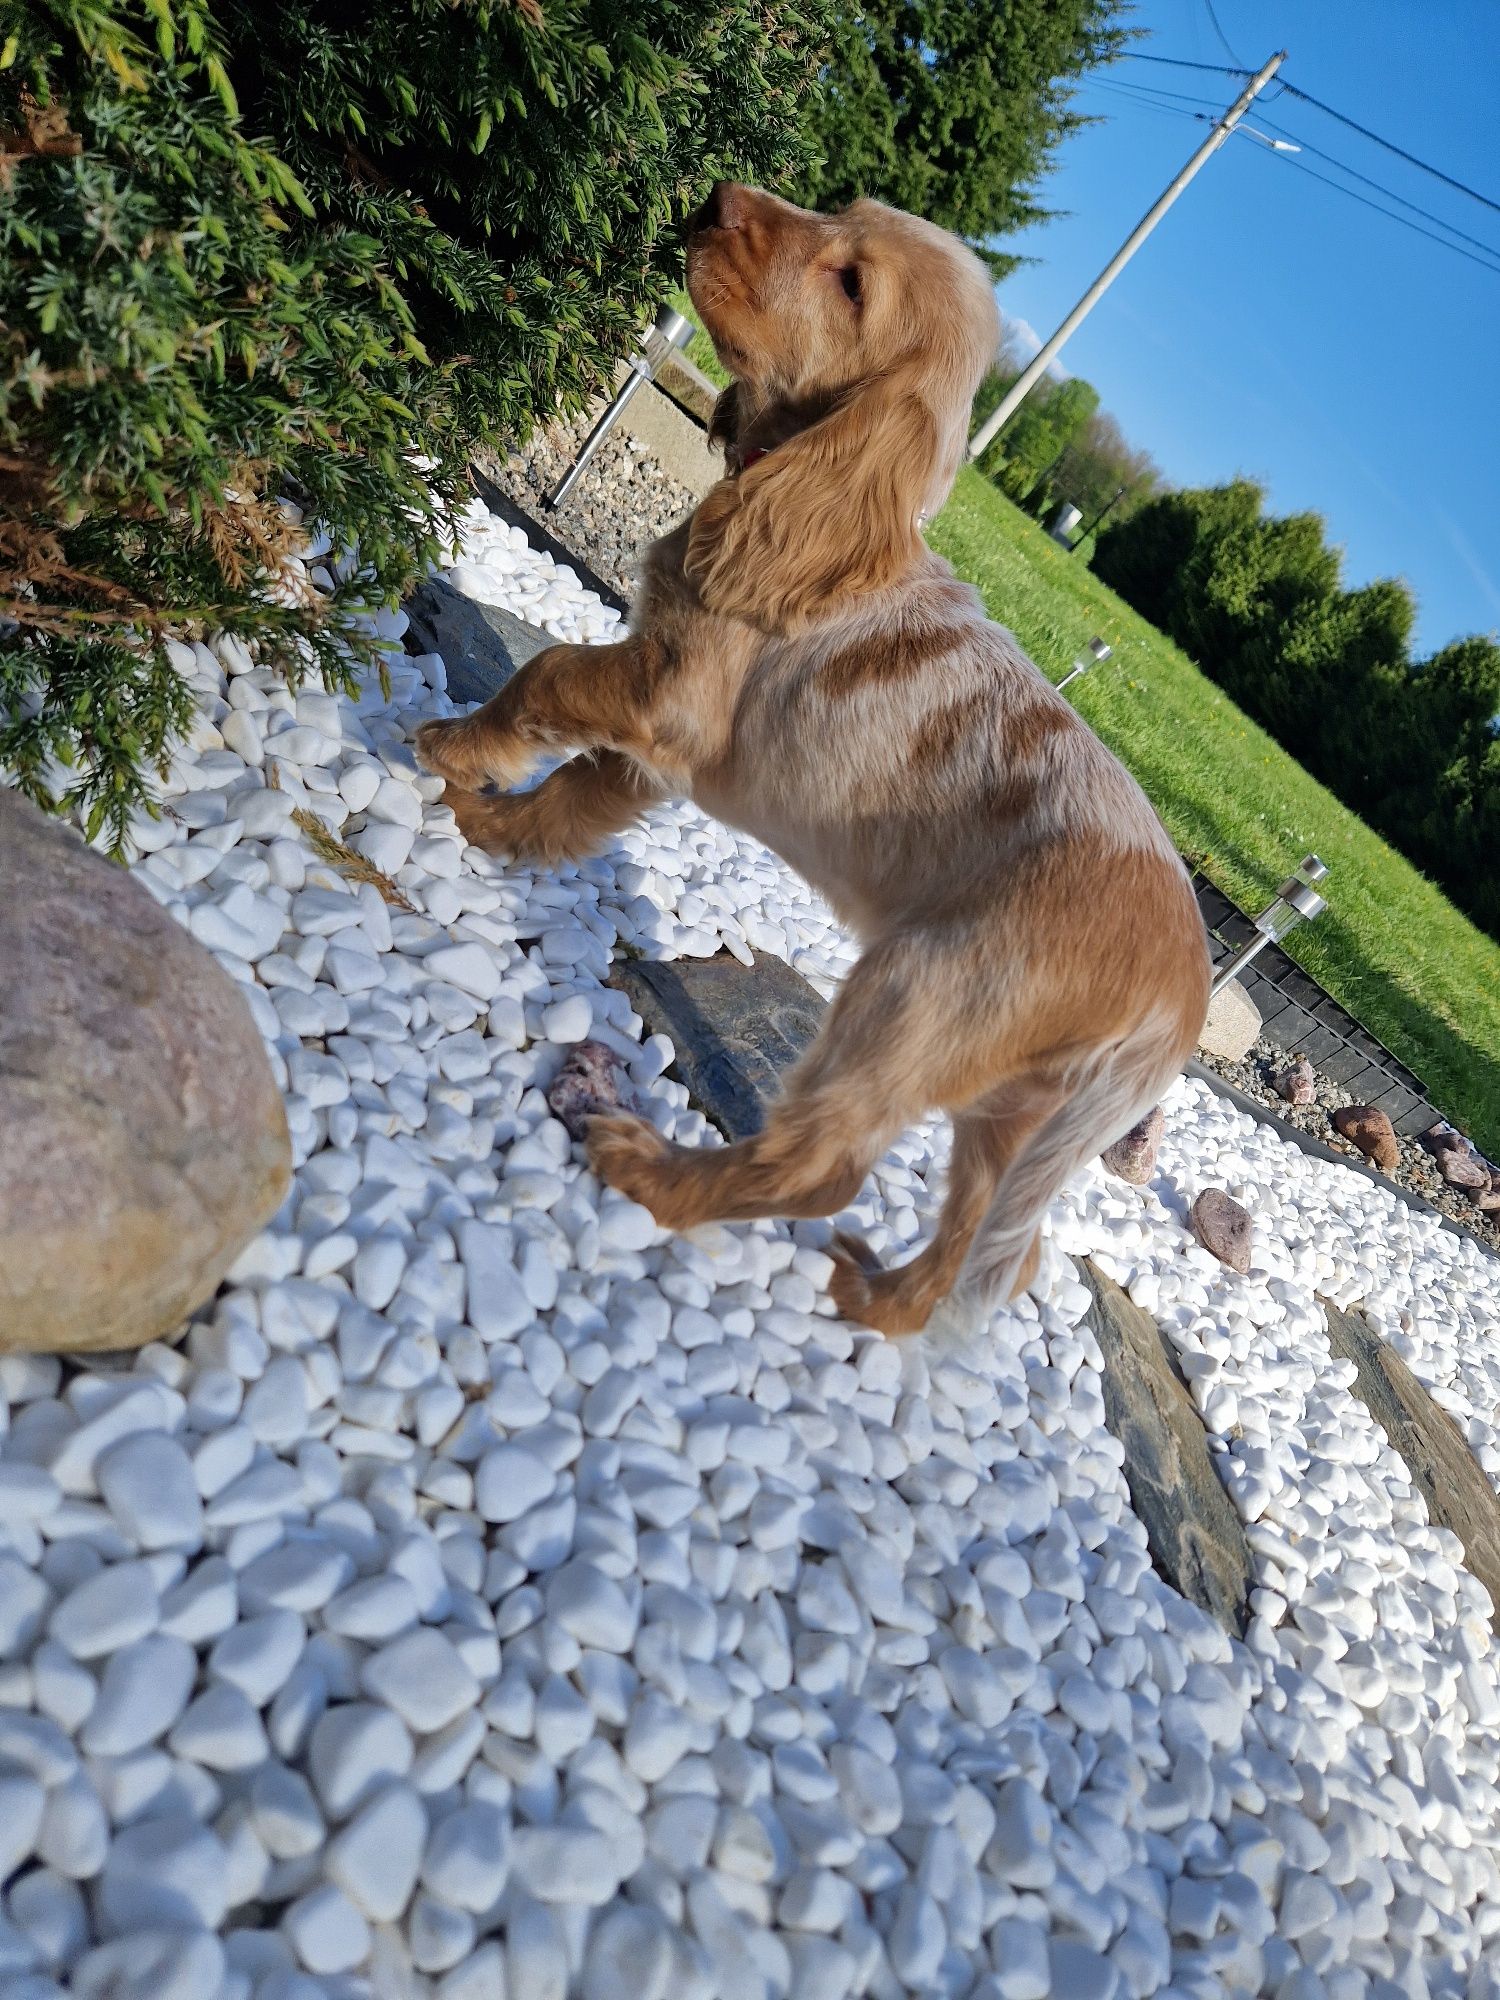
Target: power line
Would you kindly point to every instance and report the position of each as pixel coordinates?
(1150, 98)
(1223, 38)
(1492, 249)
(1381, 209)
(1291, 89)
(1391, 147)
(1176, 62)
(1150, 92)
(1119, 98)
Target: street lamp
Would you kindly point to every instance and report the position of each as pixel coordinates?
(1098, 652)
(670, 330)
(1296, 901)
(1276, 145)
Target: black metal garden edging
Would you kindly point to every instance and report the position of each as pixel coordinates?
(1298, 1015)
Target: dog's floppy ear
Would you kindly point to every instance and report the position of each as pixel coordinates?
(830, 515)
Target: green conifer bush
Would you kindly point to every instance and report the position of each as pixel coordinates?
(265, 250)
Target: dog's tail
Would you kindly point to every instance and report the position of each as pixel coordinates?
(1099, 1097)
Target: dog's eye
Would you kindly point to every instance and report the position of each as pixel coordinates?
(849, 279)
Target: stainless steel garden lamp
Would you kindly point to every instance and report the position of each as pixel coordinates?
(1098, 651)
(669, 330)
(1295, 902)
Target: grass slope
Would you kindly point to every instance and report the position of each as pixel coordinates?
(1390, 946)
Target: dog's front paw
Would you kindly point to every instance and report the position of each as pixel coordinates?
(450, 750)
(630, 1155)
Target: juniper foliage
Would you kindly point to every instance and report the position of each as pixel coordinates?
(260, 249)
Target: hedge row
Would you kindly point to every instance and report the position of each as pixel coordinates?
(258, 248)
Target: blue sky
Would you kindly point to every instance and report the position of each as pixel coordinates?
(1273, 326)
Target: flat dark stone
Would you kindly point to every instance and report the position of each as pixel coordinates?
(1197, 1540)
(1395, 1101)
(1268, 997)
(481, 644)
(1320, 1043)
(1366, 1084)
(1458, 1493)
(1343, 1064)
(735, 1027)
(1237, 930)
(1372, 1051)
(1335, 1017)
(1306, 992)
(1214, 904)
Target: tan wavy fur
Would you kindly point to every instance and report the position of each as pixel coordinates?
(805, 668)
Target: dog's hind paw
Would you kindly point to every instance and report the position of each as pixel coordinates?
(628, 1154)
(888, 1301)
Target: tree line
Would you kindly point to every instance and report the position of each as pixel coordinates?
(1258, 602)
(1061, 448)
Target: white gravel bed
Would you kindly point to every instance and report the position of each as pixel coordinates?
(495, 1596)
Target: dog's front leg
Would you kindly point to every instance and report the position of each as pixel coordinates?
(567, 698)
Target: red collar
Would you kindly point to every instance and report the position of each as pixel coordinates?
(753, 457)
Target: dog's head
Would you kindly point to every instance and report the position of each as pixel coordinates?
(856, 342)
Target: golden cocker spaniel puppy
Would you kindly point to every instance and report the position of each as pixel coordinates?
(801, 665)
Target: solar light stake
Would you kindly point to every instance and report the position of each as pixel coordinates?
(1296, 901)
(1098, 652)
(670, 330)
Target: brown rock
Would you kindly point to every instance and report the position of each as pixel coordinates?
(145, 1140)
(1487, 1200)
(1372, 1132)
(1134, 1157)
(1439, 1138)
(1298, 1082)
(590, 1084)
(1223, 1228)
(1461, 1168)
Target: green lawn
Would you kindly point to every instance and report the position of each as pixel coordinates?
(1390, 946)
(700, 349)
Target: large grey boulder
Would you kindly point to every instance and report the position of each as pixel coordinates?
(144, 1138)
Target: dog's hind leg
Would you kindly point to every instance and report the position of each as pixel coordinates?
(987, 1136)
(867, 1077)
(1107, 1091)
